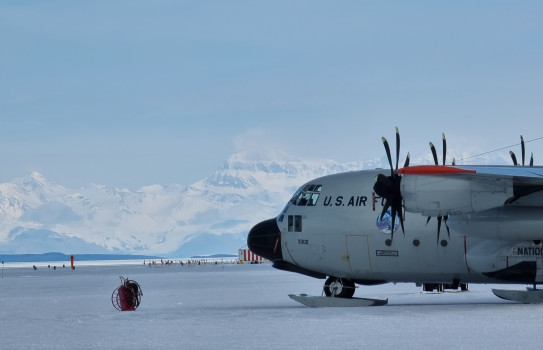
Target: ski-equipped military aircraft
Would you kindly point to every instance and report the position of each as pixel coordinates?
(375, 226)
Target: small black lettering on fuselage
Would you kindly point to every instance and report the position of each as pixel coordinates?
(341, 201)
(303, 241)
(386, 252)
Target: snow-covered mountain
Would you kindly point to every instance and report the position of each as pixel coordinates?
(213, 215)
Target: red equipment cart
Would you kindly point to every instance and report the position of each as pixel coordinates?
(126, 297)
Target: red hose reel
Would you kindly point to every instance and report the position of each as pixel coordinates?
(126, 297)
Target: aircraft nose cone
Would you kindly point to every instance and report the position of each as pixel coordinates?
(264, 239)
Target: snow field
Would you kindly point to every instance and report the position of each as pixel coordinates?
(246, 307)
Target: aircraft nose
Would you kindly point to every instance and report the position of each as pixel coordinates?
(264, 239)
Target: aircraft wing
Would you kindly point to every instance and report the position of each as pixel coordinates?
(523, 173)
(496, 202)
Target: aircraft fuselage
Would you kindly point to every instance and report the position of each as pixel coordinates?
(332, 227)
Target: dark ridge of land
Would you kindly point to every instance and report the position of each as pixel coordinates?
(56, 256)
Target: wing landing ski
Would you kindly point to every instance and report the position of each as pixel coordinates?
(530, 296)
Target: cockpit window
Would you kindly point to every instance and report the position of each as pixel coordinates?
(307, 196)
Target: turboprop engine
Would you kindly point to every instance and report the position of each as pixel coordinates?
(442, 196)
(505, 223)
(491, 210)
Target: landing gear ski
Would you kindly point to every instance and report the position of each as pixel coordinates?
(338, 292)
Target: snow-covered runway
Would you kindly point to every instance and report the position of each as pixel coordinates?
(246, 307)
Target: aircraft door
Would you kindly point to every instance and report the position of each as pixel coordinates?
(359, 253)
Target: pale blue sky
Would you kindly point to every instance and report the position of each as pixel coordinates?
(131, 93)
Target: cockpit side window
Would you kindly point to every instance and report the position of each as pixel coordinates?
(307, 196)
(294, 223)
(294, 198)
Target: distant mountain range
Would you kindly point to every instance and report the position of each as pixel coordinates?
(210, 216)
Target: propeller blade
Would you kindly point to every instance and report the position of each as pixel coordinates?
(400, 215)
(444, 148)
(387, 149)
(385, 208)
(522, 148)
(532, 160)
(397, 147)
(388, 187)
(513, 157)
(434, 153)
(439, 218)
(406, 164)
(393, 213)
(445, 218)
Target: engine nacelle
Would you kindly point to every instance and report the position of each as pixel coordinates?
(510, 223)
(450, 195)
